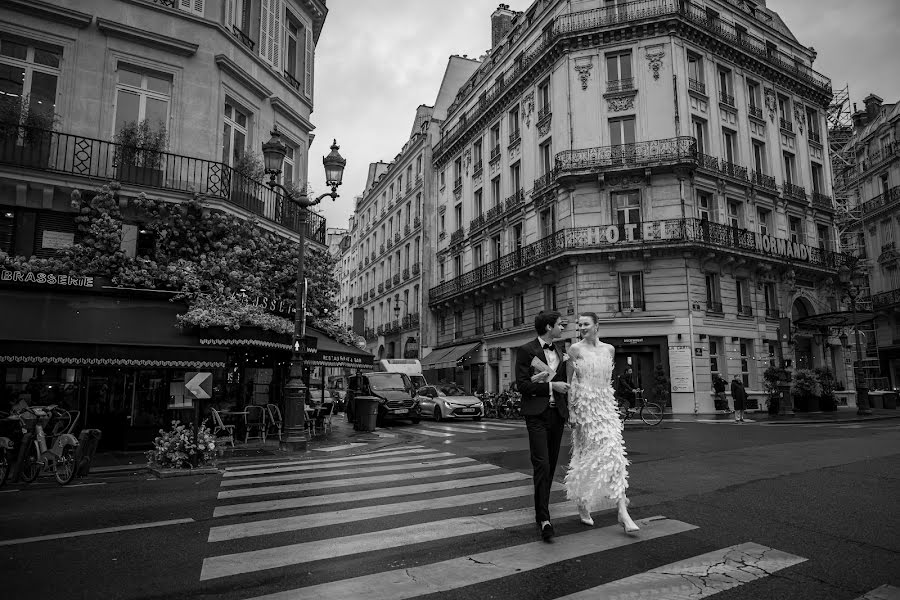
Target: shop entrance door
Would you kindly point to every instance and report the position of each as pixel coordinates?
(108, 405)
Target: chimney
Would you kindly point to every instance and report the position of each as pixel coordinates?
(860, 119)
(501, 23)
(873, 106)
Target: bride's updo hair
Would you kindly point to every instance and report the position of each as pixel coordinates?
(591, 315)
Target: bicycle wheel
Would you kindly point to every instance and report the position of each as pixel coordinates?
(31, 465)
(651, 413)
(65, 466)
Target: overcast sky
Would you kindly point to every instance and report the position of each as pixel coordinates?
(377, 60)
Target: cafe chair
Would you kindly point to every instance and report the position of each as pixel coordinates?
(256, 419)
(219, 426)
(275, 421)
(323, 418)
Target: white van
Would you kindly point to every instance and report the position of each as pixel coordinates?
(411, 366)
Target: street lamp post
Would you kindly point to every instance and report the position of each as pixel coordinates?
(862, 391)
(293, 437)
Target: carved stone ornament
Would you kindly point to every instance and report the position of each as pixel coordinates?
(467, 158)
(771, 103)
(620, 104)
(544, 128)
(584, 72)
(654, 59)
(528, 108)
(798, 116)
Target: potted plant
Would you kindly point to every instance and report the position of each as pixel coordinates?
(827, 401)
(773, 376)
(27, 130)
(661, 386)
(807, 390)
(139, 150)
(245, 184)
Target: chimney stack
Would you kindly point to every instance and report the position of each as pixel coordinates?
(501, 23)
(873, 106)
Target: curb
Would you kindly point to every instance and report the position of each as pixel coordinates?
(817, 421)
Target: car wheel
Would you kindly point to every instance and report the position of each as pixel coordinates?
(437, 414)
(476, 418)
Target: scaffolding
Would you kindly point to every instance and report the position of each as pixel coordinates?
(848, 218)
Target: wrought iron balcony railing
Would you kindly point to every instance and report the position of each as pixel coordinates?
(881, 200)
(457, 184)
(387, 283)
(620, 85)
(764, 181)
(544, 112)
(495, 152)
(406, 273)
(755, 112)
(493, 213)
(793, 190)
(697, 86)
(705, 161)
(293, 81)
(646, 235)
(396, 278)
(715, 307)
(416, 268)
(885, 299)
(815, 136)
(417, 221)
(95, 159)
(647, 153)
(476, 222)
(515, 136)
(786, 125)
(733, 170)
(477, 168)
(546, 180)
(726, 99)
(380, 288)
(745, 311)
(381, 248)
(397, 237)
(245, 39)
(820, 200)
(457, 236)
(515, 200)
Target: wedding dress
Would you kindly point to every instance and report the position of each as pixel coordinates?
(598, 469)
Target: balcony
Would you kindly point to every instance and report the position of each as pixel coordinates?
(545, 181)
(495, 153)
(372, 293)
(245, 39)
(407, 229)
(396, 278)
(638, 154)
(669, 234)
(822, 201)
(457, 236)
(405, 273)
(476, 222)
(815, 136)
(705, 161)
(366, 261)
(786, 125)
(381, 248)
(632, 305)
(389, 243)
(745, 311)
(882, 200)
(764, 181)
(755, 112)
(714, 307)
(397, 237)
(733, 170)
(514, 201)
(497, 326)
(493, 213)
(886, 299)
(379, 330)
(477, 168)
(292, 81)
(97, 160)
(792, 190)
(359, 300)
(515, 137)
(387, 283)
(726, 99)
(620, 85)
(365, 296)
(457, 185)
(417, 221)
(351, 300)
(380, 288)
(518, 321)
(416, 268)
(544, 112)
(697, 86)
(372, 256)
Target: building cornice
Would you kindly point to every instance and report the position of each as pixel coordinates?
(226, 65)
(146, 38)
(285, 109)
(50, 12)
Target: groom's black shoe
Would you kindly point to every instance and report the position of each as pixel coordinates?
(547, 532)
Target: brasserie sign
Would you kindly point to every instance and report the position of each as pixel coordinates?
(42, 278)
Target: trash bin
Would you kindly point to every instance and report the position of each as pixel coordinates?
(366, 413)
(88, 440)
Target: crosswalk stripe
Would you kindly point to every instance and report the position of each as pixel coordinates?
(883, 592)
(350, 471)
(467, 424)
(461, 428)
(697, 577)
(392, 449)
(324, 519)
(326, 499)
(343, 462)
(312, 461)
(422, 431)
(479, 568)
(341, 447)
(513, 425)
(336, 483)
(295, 554)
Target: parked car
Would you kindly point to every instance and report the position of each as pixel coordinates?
(449, 402)
(394, 392)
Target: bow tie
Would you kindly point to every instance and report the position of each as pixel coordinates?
(548, 346)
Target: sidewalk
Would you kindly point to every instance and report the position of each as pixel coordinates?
(843, 414)
(341, 440)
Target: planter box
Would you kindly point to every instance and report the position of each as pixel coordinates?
(164, 473)
(140, 175)
(244, 193)
(35, 154)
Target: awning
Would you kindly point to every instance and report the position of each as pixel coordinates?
(330, 353)
(31, 352)
(445, 358)
(834, 319)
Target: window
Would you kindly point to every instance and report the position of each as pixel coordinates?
(713, 293)
(514, 132)
(812, 125)
(547, 223)
(287, 168)
(699, 127)
(479, 319)
(545, 155)
(631, 291)
(517, 236)
(495, 191)
(816, 170)
(696, 80)
(735, 212)
(518, 309)
(295, 51)
(763, 220)
(418, 165)
(457, 324)
(789, 168)
(742, 290)
(479, 203)
(443, 224)
(885, 184)
(497, 246)
(498, 315)
(145, 95)
(29, 69)
(457, 172)
(443, 325)
(759, 157)
(796, 230)
(442, 178)
(784, 113)
(544, 98)
(770, 300)
(824, 236)
(477, 256)
(234, 135)
(887, 232)
(458, 213)
(477, 156)
(754, 98)
(726, 89)
(495, 141)
(621, 131)
(729, 145)
(550, 297)
(628, 214)
(515, 177)
(745, 347)
(704, 206)
(715, 345)
(618, 72)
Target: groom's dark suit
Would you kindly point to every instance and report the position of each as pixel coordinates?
(545, 423)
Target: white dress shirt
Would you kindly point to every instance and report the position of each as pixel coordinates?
(552, 360)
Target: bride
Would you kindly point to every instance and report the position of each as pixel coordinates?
(598, 469)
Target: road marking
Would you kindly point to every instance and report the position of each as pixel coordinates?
(71, 534)
(697, 577)
(295, 554)
(464, 429)
(479, 568)
(514, 425)
(265, 465)
(9, 491)
(394, 449)
(884, 592)
(343, 462)
(324, 519)
(75, 485)
(336, 483)
(350, 471)
(421, 431)
(326, 499)
(341, 447)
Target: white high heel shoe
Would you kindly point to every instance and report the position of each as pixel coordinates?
(627, 524)
(585, 515)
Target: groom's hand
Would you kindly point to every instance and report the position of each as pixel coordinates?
(560, 386)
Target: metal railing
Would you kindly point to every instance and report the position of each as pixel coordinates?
(793, 190)
(755, 111)
(515, 136)
(697, 86)
(763, 180)
(477, 168)
(726, 99)
(516, 200)
(495, 153)
(457, 235)
(715, 307)
(820, 200)
(416, 268)
(545, 180)
(637, 154)
(733, 170)
(881, 200)
(620, 85)
(632, 305)
(785, 124)
(245, 39)
(544, 112)
(646, 234)
(96, 159)
(888, 298)
(476, 222)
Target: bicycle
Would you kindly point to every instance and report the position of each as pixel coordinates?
(649, 412)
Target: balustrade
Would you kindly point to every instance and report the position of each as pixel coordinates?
(457, 235)
(820, 200)
(726, 99)
(647, 153)
(697, 86)
(620, 85)
(416, 268)
(793, 190)
(881, 200)
(785, 124)
(764, 181)
(755, 112)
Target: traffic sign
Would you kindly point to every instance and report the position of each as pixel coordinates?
(198, 384)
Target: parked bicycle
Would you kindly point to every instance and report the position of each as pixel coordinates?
(55, 452)
(489, 399)
(649, 412)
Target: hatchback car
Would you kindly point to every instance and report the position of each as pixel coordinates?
(448, 402)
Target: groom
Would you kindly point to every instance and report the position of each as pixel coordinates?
(546, 409)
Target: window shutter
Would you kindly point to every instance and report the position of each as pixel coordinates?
(271, 32)
(198, 7)
(191, 6)
(308, 63)
(264, 42)
(277, 33)
(229, 14)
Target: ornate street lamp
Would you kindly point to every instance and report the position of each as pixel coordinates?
(853, 280)
(293, 437)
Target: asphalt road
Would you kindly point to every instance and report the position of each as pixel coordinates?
(750, 511)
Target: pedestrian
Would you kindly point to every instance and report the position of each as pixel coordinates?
(719, 386)
(739, 397)
(541, 381)
(598, 469)
(627, 386)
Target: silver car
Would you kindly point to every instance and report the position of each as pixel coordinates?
(449, 402)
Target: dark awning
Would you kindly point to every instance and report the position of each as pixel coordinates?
(41, 353)
(834, 319)
(445, 358)
(330, 353)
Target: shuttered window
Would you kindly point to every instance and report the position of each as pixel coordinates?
(308, 63)
(191, 6)
(270, 32)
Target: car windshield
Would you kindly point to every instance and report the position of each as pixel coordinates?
(450, 390)
(387, 381)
